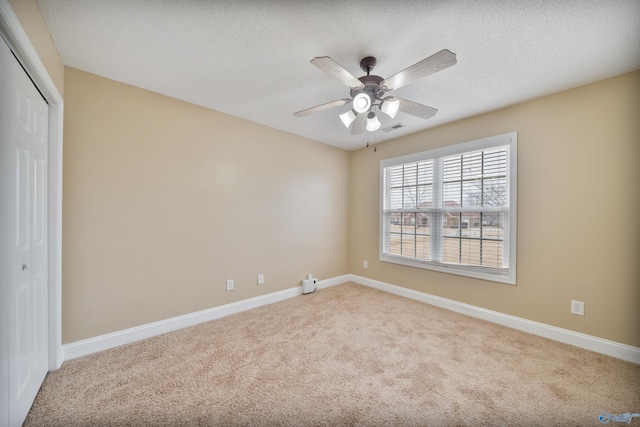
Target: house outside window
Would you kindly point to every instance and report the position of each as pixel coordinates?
(453, 209)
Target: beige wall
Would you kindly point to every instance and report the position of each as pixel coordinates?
(165, 200)
(578, 210)
(31, 20)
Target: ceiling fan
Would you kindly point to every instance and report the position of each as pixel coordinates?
(367, 92)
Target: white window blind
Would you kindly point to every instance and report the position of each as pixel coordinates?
(453, 209)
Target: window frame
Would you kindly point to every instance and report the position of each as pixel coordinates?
(503, 275)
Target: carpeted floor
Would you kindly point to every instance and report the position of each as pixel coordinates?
(346, 355)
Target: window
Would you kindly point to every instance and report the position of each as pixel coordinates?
(453, 209)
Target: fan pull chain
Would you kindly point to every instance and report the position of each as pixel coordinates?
(375, 134)
(375, 140)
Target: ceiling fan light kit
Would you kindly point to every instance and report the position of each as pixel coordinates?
(373, 123)
(390, 106)
(361, 103)
(367, 91)
(348, 118)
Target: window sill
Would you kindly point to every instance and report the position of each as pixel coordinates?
(506, 276)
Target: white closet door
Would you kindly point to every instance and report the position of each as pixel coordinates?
(23, 247)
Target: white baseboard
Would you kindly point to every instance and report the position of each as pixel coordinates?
(338, 280)
(131, 335)
(588, 342)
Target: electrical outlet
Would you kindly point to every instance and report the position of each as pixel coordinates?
(365, 264)
(230, 284)
(260, 279)
(577, 307)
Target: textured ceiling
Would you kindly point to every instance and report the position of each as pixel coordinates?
(250, 58)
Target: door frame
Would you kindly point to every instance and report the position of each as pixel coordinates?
(19, 42)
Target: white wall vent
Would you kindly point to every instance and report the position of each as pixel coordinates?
(392, 127)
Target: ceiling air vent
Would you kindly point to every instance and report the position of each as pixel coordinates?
(392, 127)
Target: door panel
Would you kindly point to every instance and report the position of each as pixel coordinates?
(23, 202)
(22, 199)
(24, 342)
(39, 194)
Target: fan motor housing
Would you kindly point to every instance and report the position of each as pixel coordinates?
(371, 87)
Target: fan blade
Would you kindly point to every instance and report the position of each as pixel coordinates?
(330, 66)
(322, 107)
(415, 109)
(359, 124)
(436, 62)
